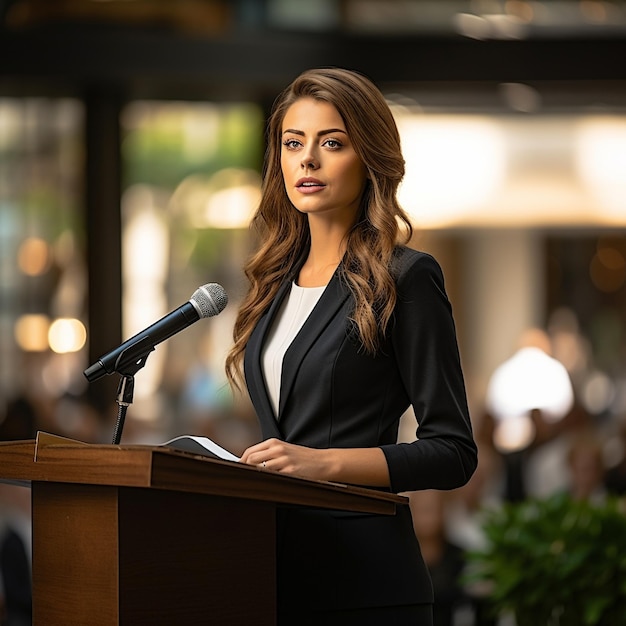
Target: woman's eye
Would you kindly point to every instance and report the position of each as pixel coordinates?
(291, 144)
(333, 144)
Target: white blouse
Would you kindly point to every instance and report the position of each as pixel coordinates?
(294, 311)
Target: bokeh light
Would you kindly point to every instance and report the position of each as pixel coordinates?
(34, 256)
(67, 335)
(31, 332)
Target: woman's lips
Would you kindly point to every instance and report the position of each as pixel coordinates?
(309, 185)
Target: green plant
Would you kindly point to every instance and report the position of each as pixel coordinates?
(555, 562)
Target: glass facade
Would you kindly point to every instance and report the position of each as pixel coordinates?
(43, 279)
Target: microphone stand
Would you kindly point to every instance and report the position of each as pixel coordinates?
(126, 388)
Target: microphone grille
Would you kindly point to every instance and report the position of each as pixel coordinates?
(209, 300)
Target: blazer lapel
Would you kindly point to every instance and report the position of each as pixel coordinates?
(331, 301)
(255, 380)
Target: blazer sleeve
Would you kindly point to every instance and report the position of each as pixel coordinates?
(423, 336)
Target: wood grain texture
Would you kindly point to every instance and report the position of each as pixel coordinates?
(75, 555)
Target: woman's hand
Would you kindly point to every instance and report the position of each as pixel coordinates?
(357, 466)
(288, 458)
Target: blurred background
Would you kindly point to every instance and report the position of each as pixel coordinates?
(131, 144)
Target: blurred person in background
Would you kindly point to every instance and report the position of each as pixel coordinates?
(342, 329)
(530, 402)
(15, 556)
(19, 422)
(465, 513)
(586, 471)
(445, 560)
(615, 476)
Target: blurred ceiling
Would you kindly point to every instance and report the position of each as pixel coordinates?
(571, 52)
(482, 19)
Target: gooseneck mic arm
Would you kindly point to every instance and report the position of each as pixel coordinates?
(125, 391)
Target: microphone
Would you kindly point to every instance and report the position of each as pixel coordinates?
(207, 301)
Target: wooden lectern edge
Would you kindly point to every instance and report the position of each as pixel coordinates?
(160, 467)
(263, 484)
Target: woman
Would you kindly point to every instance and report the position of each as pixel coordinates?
(341, 331)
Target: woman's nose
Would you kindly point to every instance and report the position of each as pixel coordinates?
(309, 162)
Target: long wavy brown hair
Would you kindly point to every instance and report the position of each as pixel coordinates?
(284, 232)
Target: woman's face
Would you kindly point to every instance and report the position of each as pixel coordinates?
(322, 173)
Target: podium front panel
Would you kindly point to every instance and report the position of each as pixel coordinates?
(75, 560)
(128, 556)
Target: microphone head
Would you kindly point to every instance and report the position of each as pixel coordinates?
(209, 300)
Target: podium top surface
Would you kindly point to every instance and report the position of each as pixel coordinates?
(157, 467)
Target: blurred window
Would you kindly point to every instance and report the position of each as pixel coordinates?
(191, 180)
(42, 266)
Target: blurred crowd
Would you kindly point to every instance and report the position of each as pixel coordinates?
(552, 447)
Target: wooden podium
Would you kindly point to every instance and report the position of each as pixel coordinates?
(136, 535)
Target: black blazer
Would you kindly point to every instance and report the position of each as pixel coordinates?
(333, 394)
